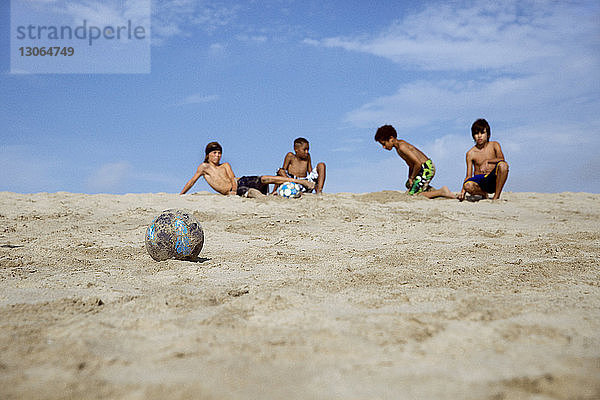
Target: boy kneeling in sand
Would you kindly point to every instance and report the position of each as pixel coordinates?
(298, 165)
(221, 178)
(421, 169)
(487, 170)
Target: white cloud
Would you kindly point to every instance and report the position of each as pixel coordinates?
(24, 169)
(423, 103)
(178, 18)
(525, 60)
(198, 98)
(348, 145)
(110, 177)
(217, 49)
(169, 18)
(17, 71)
(251, 38)
(211, 17)
(122, 177)
(387, 173)
(344, 149)
(486, 35)
(96, 12)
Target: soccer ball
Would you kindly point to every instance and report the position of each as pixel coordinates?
(289, 190)
(174, 234)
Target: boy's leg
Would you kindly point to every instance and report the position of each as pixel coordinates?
(321, 179)
(283, 179)
(474, 189)
(280, 172)
(254, 193)
(501, 176)
(443, 192)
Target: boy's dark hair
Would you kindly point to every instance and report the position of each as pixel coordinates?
(479, 126)
(385, 132)
(212, 146)
(300, 140)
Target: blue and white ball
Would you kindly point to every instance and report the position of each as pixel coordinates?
(174, 234)
(289, 190)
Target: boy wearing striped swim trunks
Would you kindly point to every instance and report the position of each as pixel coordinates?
(421, 169)
(298, 165)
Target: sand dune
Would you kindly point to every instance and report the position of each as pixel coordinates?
(340, 296)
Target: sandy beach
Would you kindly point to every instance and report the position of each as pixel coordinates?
(339, 296)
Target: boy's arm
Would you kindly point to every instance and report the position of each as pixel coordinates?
(191, 182)
(286, 162)
(231, 177)
(308, 166)
(469, 162)
(410, 159)
(411, 179)
(411, 170)
(498, 153)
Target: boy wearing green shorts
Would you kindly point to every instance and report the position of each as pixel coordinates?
(421, 169)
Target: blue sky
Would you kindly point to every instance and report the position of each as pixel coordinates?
(254, 75)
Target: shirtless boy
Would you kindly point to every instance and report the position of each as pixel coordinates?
(420, 167)
(486, 168)
(298, 165)
(221, 178)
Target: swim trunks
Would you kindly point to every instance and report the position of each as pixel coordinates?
(251, 182)
(425, 175)
(487, 182)
(311, 177)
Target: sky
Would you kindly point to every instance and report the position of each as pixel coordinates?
(255, 75)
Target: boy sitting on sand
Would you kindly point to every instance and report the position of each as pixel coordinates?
(298, 165)
(420, 167)
(221, 178)
(486, 168)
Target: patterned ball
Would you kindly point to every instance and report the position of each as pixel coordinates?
(174, 234)
(289, 190)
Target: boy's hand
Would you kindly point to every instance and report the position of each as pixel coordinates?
(487, 167)
(461, 195)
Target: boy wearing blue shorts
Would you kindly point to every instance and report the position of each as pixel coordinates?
(487, 170)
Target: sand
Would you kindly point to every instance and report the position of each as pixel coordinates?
(340, 296)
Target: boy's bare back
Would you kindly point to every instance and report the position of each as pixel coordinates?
(409, 153)
(421, 169)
